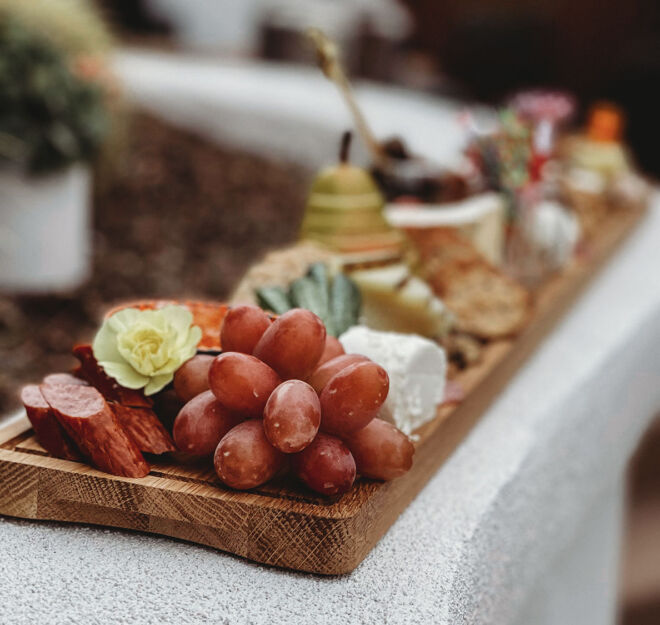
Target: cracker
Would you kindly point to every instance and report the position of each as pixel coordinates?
(487, 303)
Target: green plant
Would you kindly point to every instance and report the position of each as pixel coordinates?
(74, 26)
(50, 116)
(335, 299)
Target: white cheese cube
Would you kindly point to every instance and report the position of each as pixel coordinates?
(417, 368)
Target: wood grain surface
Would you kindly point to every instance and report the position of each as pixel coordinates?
(281, 523)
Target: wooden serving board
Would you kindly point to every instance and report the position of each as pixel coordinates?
(281, 524)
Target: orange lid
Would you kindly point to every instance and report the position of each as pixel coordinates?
(605, 122)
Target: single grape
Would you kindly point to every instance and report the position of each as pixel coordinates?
(201, 423)
(192, 377)
(244, 458)
(326, 465)
(323, 373)
(242, 383)
(353, 397)
(293, 344)
(381, 451)
(332, 349)
(242, 328)
(292, 416)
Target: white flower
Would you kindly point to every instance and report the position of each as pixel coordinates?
(143, 348)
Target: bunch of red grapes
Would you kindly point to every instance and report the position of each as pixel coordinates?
(284, 395)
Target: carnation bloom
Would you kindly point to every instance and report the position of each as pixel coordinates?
(143, 348)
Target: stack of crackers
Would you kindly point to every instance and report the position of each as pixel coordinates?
(488, 304)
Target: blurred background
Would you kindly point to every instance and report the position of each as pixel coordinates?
(165, 145)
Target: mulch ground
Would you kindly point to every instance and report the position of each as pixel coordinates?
(181, 217)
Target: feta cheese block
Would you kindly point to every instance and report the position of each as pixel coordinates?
(417, 368)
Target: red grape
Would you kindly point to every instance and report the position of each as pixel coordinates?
(242, 383)
(381, 451)
(293, 344)
(323, 373)
(244, 457)
(292, 416)
(353, 397)
(242, 328)
(201, 423)
(192, 377)
(332, 349)
(326, 465)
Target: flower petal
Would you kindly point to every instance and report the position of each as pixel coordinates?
(124, 374)
(123, 319)
(179, 317)
(104, 346)
(170, 366)
(189, 348)
(157, 382)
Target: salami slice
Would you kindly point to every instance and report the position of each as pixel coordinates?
(49, 432)
(143, 426)
(63, 378)
(90, 422)
(109, 387)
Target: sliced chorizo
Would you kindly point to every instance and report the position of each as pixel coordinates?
(63, 378)
(90, 422)
(144, 427)
(93, 373)
(50, 434)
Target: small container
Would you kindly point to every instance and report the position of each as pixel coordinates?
(542, 237)
(45, 236)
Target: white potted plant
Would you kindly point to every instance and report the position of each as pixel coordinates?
(54, 118)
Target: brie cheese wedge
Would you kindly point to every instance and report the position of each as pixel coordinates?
(395, 300)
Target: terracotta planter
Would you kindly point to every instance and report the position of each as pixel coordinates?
(44, 230)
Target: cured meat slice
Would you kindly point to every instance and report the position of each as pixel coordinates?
(109, 387)
(90, 422)
(63, 378)
(143, 426)
(130, 406)
(49, 432)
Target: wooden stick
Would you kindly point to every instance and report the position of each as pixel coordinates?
(328, 59)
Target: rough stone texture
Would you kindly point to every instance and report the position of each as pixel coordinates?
(474, 545)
